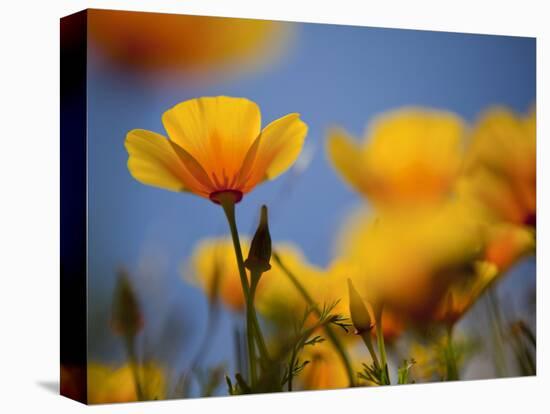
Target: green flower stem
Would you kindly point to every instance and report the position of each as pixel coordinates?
(368, 342)
(290, 366)
(130, 349)
(255, 277)
(329, 331)
(381, 346)
(228, 205)
(251, 347)
(450, 357)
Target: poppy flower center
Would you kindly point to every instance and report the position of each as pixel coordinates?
(218, 196)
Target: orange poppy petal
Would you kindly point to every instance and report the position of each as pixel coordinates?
(155, 161)
(279, 145)
(345, 155)
(216, 131)
(152, 160)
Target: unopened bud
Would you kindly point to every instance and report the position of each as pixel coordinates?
(360, 316)
(127, 319)
(259, 254)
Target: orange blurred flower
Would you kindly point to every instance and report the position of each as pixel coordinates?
(508, 243)
(501, 166)
(334, 288)
(215, 147)
(500, 175)
(279, 298)
(464, 291)
(192, 44)
(214, 269)
(407, 259)
(107, 384)
(324, 370)
(410, 156)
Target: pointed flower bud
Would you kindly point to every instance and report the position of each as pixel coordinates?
(259, 254)
(360, 316)
(126, 319)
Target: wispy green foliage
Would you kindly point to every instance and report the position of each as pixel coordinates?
(373, 374)
(307, 336)
(404, 372)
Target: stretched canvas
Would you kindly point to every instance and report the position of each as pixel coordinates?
(255, 206)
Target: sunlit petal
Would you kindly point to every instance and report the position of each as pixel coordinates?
(216, 131)
(345, 155)
(152, 160)
(279, 145)
(155, 161)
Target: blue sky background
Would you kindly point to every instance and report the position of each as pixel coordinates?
(332, 75)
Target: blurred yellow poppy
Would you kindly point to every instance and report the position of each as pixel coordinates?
(324, 370)
(214, 269)
(500, 168)
(215, 146)
(410, 156)
(334, 288)
(500, 174)
(507, 243)
(279, 297)
(189, 44)
(464, 291)
(406, 259)
(107, 384)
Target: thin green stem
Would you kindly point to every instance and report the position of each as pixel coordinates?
(251, 348)
(229, 210)
(130, 348)
(255, 277)
(290, 368)
(329, 331)
(228, 205)
(368, 342)
(381, 346)
(238, 342)
(299, 345)
(450, 357)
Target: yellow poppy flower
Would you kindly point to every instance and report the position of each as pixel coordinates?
(508, 243)
(324, 370)
(214, 269)
(501, 166)
(407, 259)
(335, 288)
(464, 291)
(279, 298)
(192, 44)
(407, 156)
(107, 384)
(215, 146)
(500, 174)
